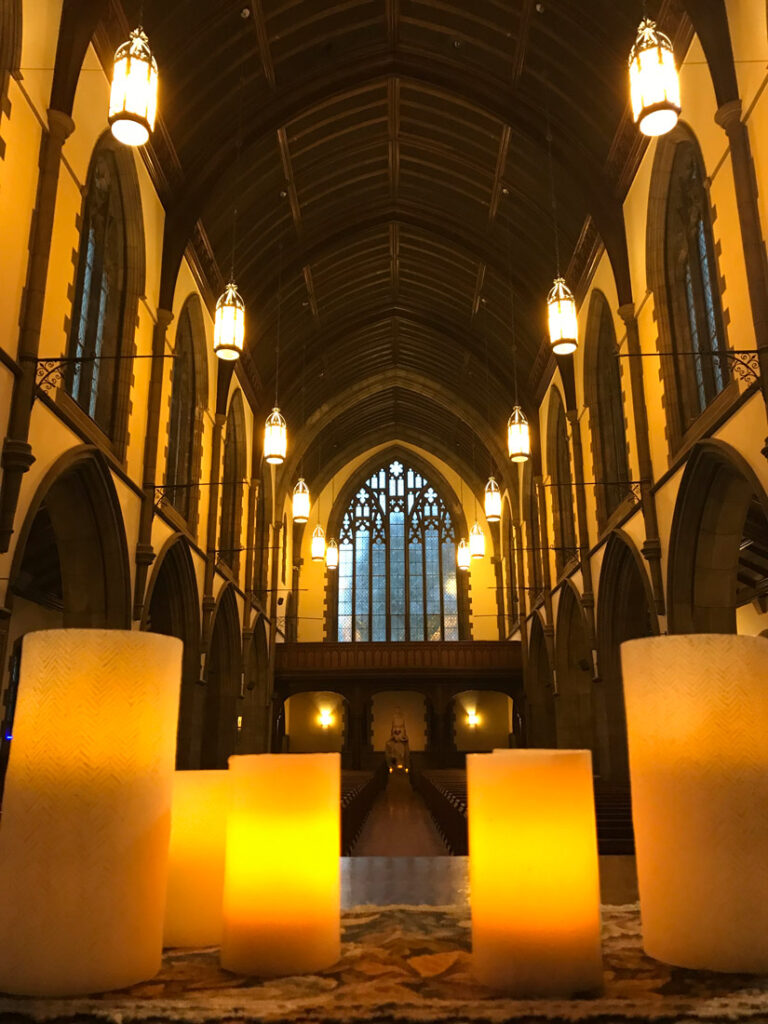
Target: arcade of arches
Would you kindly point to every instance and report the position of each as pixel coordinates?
(394, 247)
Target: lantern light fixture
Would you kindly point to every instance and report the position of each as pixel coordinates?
(325, 718)
(229, 324)
(332, 555)
(518, 436)
(476, 541)
(654, 84)
(301, 502)
(463, 556)
(133, 95)
(492, 501)
(275, 438)
(318, 544)
(473, 719)
(563, 325)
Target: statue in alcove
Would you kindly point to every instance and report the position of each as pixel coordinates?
(397, 751)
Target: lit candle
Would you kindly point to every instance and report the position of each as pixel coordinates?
(196, 858)
(281, 882)
(697, 721)
(533, 872)
(87, 811)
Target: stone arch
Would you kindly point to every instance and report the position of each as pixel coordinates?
(573, 667)
(540, 726)
(532, 532)
(232, 483)
(561, 479)
(223, 667)
(625, 611)
(508, 581)
(254, 738)
(173, 608)
(718, 536)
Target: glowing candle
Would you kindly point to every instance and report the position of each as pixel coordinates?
(196, 858)
(87, 811)
(533, 872)
(281, 882)
(697, 720)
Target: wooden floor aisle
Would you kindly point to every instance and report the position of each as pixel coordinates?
(399, 825)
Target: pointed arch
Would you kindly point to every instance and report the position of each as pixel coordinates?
(541, 730)
(573, 667)
(532, 530)
(559, 466)
(223, 667)
(232, 483)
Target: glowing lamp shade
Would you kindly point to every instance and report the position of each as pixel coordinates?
(518, 436)
(492, 501)
(133, 97)
(697, 716)
(87, 811)
(561, 312)
(318, 544)
(463, 557)
(300, 502)
(325, 718)
(473, 719)
(477, 541)
(533, 872)
(653, 81)
(196, 858)
(275, 438)
(282, 906)
(229, 324)
(332, 555)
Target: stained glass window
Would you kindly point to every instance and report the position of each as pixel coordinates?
(397, 561)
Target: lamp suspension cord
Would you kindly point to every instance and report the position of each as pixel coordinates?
(487, 377)
(303, 396)
(552, 193)
(238, 174)
(279, 306)
(512, 305)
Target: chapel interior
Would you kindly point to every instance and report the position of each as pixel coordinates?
(395, 367)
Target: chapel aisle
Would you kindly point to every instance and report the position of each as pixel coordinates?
(399, 825)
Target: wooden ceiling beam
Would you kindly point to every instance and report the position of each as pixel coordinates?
(262, 36)
(311, 294)
(393, 122)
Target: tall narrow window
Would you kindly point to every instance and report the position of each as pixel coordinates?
(559, 458)
(694, 295)
(232, 483)
(99, 296)
(533, 533)
(181, 426)
(397, 561)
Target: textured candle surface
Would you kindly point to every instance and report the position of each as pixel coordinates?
(533, 871)
(196, 858)
(697, 721)
(282, 877)
(86, 811)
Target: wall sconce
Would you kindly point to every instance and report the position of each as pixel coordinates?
(239, 723)
(473, 719)
(325, 718)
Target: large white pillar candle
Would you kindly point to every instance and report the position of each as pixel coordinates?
(697, 722)
(87, 811)
(533, 872)
(281, 882)
(196, 858)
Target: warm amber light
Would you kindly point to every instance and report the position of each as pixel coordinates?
(275, 438)
(325, 718)
(196, 858)
(300, 502)
(492, 501)
(473, 719)
(332, 555)
(229, 324)
(87, 811)
(463, 556)
(563, 326)
(518, 436)
(282, 877)
(477, 541)
(697, 712)
(133, 96)
(318, 544)
(533, 872)
(653, 81)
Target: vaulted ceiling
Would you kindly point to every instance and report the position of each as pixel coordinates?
(388, 163)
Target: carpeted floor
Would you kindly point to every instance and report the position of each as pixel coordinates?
(407, 963)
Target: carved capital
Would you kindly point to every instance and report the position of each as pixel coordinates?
(651, 548)
(627, 312)
(60, 125)
(728, 116)
(17, 455)
(145, 554)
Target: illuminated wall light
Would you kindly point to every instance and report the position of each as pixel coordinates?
(326, 718)
(477, 541)
(239, 723)
(654, 84)
(473, 719)
(275, 438)
(133, 96)
(563, 324)
(492, 501)
(463, 557)
(300, 502)
(518, 436)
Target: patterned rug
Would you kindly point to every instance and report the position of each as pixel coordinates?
(402, 964)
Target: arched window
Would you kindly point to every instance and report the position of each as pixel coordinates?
(603, 389)
(693, 291)
(100, 293)
(531, 517)
(232, 483)
(559, 459)
(397, 561)
(181, 425)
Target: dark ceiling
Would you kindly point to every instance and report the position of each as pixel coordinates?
(388, 158)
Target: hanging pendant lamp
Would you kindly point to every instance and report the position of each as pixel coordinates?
(301, 502)
(332, 555)
(654, 84)
(133, 96)
(229, 324)
(463, 556)
(318, 544)
(492, 501)
(275, 438)
(563, 325)
(518, 436)
(477, 541)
